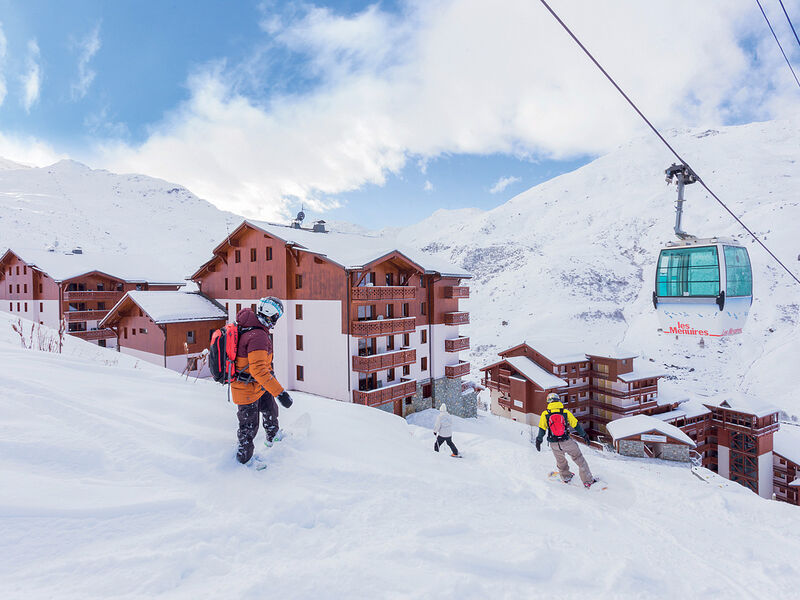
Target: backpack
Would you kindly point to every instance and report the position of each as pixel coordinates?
(222, 355)
(558, 425)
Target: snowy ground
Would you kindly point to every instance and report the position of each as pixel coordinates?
(120, 481)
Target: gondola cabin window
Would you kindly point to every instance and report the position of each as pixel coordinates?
(739, 277)
(688, 272)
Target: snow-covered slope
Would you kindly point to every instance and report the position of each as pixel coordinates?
(68, 204)
(121, 482)
(573, 259)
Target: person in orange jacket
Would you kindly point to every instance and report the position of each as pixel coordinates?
(255, 391)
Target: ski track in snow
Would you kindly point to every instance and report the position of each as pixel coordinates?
(120, 480)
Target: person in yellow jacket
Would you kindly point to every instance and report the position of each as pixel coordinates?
(255, 391)
(556, 421)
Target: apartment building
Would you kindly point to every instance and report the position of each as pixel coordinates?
(364, 321)
(786, 463)
(167, 328)
(74, 288)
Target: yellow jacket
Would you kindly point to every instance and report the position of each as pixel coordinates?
(571, 421)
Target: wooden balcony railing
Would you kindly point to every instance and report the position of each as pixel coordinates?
(384, 292)
(85, 315)
(387, 360)
(496, 385)
(94, 334)
(456, 318)
(405, 388)
(455, 371)
(93, 295)
(456, 291)
(378, 327)
(456, 344)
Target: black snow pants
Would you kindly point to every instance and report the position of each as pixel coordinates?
(248, 424)
(440, 442)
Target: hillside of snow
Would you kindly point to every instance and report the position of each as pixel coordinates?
(122, 482)
(67, 204)
(572, 261)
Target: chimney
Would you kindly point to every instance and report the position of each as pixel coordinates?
(319, 226)
(77, 250)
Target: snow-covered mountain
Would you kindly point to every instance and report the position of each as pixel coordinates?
(68, 204)
(573, 259)
(119, 480)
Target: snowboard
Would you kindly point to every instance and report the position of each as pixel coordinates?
(597, 486)
(298, 429)
(457, 456)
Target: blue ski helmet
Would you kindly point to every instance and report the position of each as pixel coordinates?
(269, 310)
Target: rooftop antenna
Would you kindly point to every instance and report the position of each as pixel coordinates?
(298, 220)
(684, 176)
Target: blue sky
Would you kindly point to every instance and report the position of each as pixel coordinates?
(357, 109)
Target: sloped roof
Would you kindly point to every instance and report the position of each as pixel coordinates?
(533, 372)
(558, 351)
(742, 403)
(638, 424)
(170, 307)
(642, 372)
(61, 266)
(786, 442)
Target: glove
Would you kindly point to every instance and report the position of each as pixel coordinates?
(587, 440)
(285, 399)
(538, 445)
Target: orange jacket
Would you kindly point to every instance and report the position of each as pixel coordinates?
(254, 356)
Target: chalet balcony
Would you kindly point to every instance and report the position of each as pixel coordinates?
(456, 291)
(456, 318)
(94, 334)
(456, 371)
(456, 344)
(378, 327)
(386, 360)
(389, 393)
(384, 292)
(497, 385)
(85, 315)
(94, 295)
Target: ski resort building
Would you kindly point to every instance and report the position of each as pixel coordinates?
(169, 328)
(364, 321)
(786, 463)
(74, 290)
(644, 435)
(597, 388)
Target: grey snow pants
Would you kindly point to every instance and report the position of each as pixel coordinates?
(570, 446)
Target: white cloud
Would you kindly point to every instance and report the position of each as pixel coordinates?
(452, 76)
(502, 184)
(428, 187)
(87, 48)
(32, 79)
(28, 151)
(3, 49)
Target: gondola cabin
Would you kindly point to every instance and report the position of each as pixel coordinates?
(703, 287)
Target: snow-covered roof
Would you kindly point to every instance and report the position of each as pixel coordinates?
(611, 353)
(535, 373)
(642, 372)
(172, 307)
(558, 351)
(354, 250)
(796, 482)
(742, 403)
(688, 409)
(131, 268)
(786, 442)
(630, 426)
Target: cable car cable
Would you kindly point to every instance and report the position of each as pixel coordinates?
(777, 41)
(790, 23)
(666, 143)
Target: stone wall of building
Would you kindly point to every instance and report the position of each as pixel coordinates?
(677, 452)
(631, 448)
(448, 391)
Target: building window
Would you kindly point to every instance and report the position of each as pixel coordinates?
(390, 375)
(423, 363)
(253, 282)
(125, 333)
(10, 289)
(191, 363)
(253, 307)
(298, 281)
(143, 330)
(226, 284)
(77, 326)
(423, 308)
(18, 288)
(422, 281)
(238, 283)
(17, 306)
(269, 253)
(237, 256)
(269, 282)
(25, 288)
(24, 270)
(227, 309)
(423, 336)
(238, 308)
(409, 400)
(26, 307)
(298, 312)
(390, 342)
(406, 340)
(300, 373)
(427, 390)
(390, 279)
(390, 311)
(17, 269)
(405, 309)
(298, 342)
(11, 306)
(133, 330)
(101, 306)
(252, 255)
(406, 370)
(41, 306)
(101, 287)
(190, 337)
